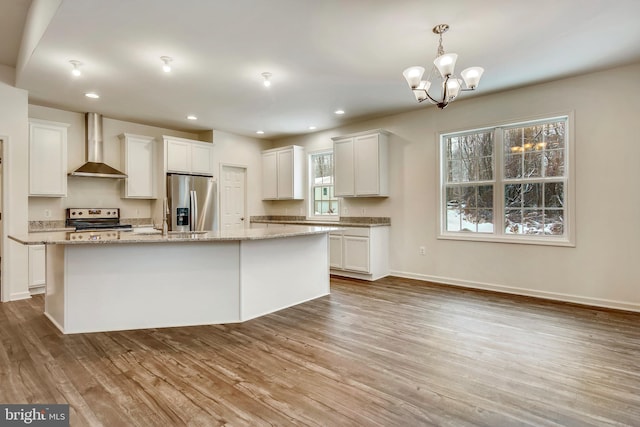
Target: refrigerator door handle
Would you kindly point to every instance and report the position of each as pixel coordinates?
(194, 210)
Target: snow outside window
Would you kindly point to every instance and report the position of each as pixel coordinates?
(507, 183)
(323, 203)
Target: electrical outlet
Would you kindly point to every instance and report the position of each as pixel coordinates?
(286, 211)
(345, 211)
(422, 250)
(364, 211)
(47, 213)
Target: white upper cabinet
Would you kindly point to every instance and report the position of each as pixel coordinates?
(47, 158)
(283, 173)
(188, 156)
(139, 161)
(361, 164)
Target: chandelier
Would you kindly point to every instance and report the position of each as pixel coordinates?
(444, 65)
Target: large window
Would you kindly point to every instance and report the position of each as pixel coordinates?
(508, 183)
(323, 203)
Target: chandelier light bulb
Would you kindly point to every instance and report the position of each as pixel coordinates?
(166, 67)
(267, 79)
(76, 68)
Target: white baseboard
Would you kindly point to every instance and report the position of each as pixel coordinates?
(577, 299)
(37, 289)
(19, 295)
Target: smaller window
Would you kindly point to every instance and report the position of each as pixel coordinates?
(323, 204)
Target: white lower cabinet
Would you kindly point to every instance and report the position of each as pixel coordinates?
(335, 251)
(37, 275)
(360, 252)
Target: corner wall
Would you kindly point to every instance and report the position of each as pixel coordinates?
(600, 270)
(14, 131)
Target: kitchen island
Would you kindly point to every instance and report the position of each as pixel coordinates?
(118, 280)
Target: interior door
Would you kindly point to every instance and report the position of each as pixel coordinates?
(233, 197)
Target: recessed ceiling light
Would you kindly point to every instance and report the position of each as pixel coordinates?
(166, 67)
(76, 70)
(92, 95)
(312, 127)
(339, 111)
(267, 79)
(260, 132)
(192, 117)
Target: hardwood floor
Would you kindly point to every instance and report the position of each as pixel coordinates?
(395, 352)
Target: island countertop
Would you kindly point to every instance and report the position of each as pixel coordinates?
(115, 237)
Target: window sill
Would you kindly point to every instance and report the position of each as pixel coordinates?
(522, 240)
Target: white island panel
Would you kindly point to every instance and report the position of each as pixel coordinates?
(108, 287)
(280, 273)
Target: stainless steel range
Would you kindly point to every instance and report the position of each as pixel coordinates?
(91, 219)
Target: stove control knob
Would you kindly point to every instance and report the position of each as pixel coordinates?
(79, 213)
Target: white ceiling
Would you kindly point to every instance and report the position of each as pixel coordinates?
(323, 54)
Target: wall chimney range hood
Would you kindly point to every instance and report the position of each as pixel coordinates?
(94, 167)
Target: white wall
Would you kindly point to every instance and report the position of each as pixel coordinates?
(600, 270)
(94, 192)
(14, 132)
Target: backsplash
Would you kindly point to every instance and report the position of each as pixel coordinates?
(52, 225)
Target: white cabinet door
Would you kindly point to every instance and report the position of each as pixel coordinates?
(139, 160)
(335, 251)
(283, 173)
(202, 159)
(356, 253)
(270, 175)
(343, 167)
(47, 158)
(37, 261)
(361, 165)
(367, 161)
(178, 156)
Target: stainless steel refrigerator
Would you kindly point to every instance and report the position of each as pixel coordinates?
(192, 203)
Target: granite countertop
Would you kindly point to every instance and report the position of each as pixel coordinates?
(351, 221)
(115, 237)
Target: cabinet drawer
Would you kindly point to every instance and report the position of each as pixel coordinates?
(356, 231)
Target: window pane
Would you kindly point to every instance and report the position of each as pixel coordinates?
(512, 140)
(554, 162)
(513, 165)
(513, 195)
(532, 195)
(485, 196)
(454, 197)
(468, 220)
(532, 164)
(485, 169)
(554, 222)
(513, 221)
(554, 195)
(485, 220)
(453, 218)
(453, 149)
(554, 135)
(457, 171)
(468, 197)
(533, 221)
